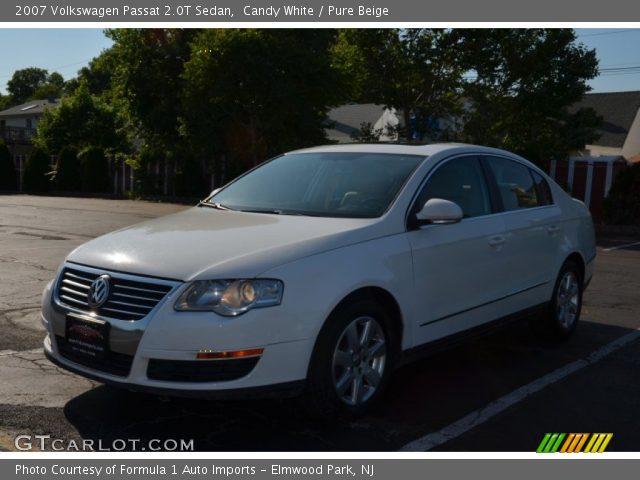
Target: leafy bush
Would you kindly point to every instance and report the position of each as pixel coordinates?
(146, 180)
(95, 170)
(36, 171)
(68, 170)
(622, 206)
(7, 169)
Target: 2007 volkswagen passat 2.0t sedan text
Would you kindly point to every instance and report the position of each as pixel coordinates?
(320, 271)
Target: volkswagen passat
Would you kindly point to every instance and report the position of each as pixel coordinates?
(320, 271)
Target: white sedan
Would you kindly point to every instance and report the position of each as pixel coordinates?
(320, 271)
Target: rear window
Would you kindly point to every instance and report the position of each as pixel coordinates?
(515, 184)
(543, 189)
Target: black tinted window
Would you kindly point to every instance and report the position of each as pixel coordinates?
(542, 187)
(515, 184)
(461, 181)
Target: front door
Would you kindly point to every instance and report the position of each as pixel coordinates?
(459, 269)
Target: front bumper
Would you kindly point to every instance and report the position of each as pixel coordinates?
(281, 390)
(156, 354)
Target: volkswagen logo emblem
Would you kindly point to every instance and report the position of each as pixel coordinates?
(99, 291)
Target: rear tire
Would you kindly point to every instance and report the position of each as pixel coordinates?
(352, 360)
(566, 303)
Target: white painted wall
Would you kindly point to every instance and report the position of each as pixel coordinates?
(631, 146)
(599, 150)
(387, 122)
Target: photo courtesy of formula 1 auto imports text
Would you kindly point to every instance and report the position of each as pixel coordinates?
(331, 240)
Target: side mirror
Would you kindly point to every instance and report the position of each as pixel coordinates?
(439, 211)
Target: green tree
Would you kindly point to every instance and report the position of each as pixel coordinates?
(417, 71)
(36, 171)
(100, 73)
(95, 170)
(252, 93)
(68, 176)
(70, 86)
(141, 77)
(53, 88)
(25, 82)
(6, 101)
(56, 79)
(522, 85)
(81, 121)
(7, 169)
(146, 66)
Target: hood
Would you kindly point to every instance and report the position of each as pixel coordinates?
(208, 243)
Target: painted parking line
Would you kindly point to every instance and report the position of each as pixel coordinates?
(618, 247)
(480, 416)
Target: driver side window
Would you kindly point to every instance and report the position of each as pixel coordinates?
(460, 180)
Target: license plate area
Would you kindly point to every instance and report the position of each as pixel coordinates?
(87, 337)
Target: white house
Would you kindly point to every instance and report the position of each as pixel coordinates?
(18, 126)
(345, 121)
(620, 129)
(26, 115)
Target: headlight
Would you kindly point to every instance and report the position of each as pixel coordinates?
(230, 297)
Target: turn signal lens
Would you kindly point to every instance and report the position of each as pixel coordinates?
(208, 355)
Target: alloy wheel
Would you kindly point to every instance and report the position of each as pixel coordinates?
(568, 300)
(359, 361)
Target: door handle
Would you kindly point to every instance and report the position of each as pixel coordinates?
(553, 229)
(496, 240)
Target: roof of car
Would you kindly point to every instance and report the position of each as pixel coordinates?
(425, 150)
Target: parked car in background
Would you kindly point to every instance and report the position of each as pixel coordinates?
(320, 271)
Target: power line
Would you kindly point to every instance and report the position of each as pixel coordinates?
(609, 32)
(610, 69)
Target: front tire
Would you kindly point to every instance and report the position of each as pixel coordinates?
(352, 360)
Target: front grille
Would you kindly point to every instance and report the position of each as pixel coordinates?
(113, 362)
(200, 370)
(128, 299)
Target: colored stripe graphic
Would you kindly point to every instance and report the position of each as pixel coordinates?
(600, 442)
(567, 443)
(550, 443)
(590, 444)
(555, 447)
(581, 443)
(543, 443)
(574, 443)
(607, 439)
(576, 439)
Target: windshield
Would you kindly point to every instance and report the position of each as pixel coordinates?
(357, 185)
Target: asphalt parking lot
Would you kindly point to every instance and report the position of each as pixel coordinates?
(498, 393)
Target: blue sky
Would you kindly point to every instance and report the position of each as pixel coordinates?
(67, 50)
(60, 50)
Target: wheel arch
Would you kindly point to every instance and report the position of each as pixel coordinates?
(579, 260)
(385, 299)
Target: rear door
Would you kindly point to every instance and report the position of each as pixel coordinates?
(459, 269)
(533, 230)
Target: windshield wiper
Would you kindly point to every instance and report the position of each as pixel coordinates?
(217, 206)
(274, 211)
